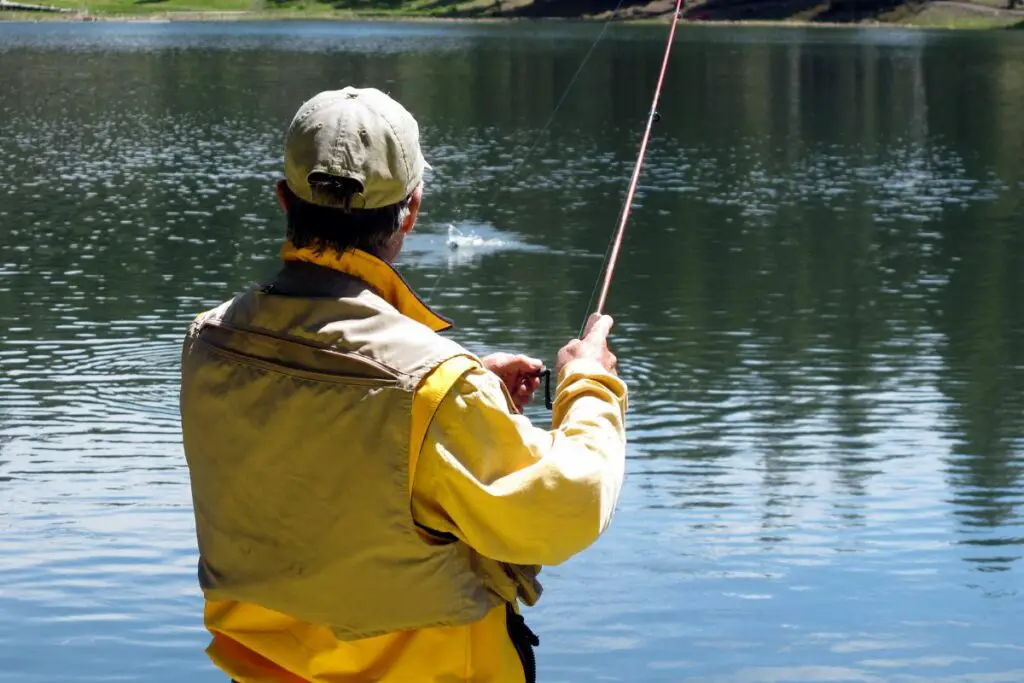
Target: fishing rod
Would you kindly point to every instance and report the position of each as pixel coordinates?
(652, 116)
(612, 255)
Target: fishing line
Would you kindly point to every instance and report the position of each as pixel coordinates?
(612, 252)
(551, 118)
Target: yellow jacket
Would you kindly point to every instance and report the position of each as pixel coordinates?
(513, 492)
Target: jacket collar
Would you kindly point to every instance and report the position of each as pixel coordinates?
(375, 272)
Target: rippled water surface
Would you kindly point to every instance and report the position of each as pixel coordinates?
(819, 314)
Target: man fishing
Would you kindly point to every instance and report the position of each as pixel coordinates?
(370, 502)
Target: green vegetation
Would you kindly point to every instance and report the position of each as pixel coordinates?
(135, 7)
(922, 13)
(273, 9)
(940, 16)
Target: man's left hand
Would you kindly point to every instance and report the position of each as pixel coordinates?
(520, 374)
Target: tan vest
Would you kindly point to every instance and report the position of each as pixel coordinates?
(296, 407)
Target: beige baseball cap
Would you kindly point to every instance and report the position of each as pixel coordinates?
(358, 133)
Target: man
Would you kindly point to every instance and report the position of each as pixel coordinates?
(370, 503)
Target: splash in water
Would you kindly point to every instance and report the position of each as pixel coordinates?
(460, 240)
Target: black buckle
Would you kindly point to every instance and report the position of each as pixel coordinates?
(546, 374)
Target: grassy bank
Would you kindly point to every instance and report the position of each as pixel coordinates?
(972, 14)
(273, 9)
(954, 17)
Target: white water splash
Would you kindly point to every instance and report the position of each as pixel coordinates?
(460, 240)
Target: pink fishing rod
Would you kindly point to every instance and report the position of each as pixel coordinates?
(652, 116)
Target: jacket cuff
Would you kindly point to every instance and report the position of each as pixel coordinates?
(583, 368)
(589, 369)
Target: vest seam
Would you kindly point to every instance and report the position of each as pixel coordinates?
(308, 375)
(219, 323)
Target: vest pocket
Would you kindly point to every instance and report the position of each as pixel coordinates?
(524, 640)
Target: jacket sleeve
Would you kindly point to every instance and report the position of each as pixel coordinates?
(514, 492)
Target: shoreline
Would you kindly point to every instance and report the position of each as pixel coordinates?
(961, 16)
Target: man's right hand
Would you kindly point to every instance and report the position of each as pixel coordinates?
(593, 345)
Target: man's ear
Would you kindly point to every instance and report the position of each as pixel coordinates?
(415, 200)
(283, 194)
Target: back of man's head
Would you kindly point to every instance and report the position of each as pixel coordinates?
(352, 161)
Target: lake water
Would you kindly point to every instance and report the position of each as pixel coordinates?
(819, 312)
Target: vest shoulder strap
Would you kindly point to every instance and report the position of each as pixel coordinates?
(432, 390)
